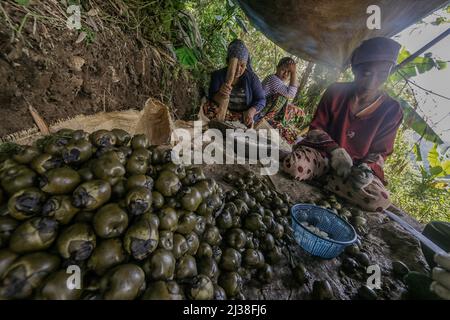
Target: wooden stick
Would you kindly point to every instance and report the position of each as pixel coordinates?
(38, 120)
(223, 105)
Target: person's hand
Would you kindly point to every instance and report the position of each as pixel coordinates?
(248, 116)
(225, 90)
(341, 162)
(292, 67)
(360, 176)
(441, 276)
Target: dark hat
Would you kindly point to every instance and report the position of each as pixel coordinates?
(376, 49)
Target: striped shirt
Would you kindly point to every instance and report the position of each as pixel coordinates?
(273, 85)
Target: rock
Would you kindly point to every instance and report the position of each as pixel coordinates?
(76, 63)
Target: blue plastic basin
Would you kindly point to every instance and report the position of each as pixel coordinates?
(340, 232)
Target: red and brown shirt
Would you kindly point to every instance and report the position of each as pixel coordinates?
(367, 136)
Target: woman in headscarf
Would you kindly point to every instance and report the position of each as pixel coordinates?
(246, 95)
(280, 88)
(353, 130)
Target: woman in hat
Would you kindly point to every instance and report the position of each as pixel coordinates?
(353, 130)
(246, 95)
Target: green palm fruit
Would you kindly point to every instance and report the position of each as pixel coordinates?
(168, 219)
(76, 242)
(7, 227)
(109, 253)
(165, 240)
(253, 259)
(91, 195)
(103, 138)
(186, 267)
(231, 282)
(160, 265)
(139, 141)
(167, 183)
(44, 162)
(208, 266)
(35, 234)
(186, 223)
(124, 282)
(236, 238)
(180, 245)
(201, 288)
(55, 287)
(231, 260)
(190, 198)
(178, 169)
(26, 154)
(219, 293)
(17, 178)
(193, 243)
(122, 137)
(162, 290)
(77, 151)
(212, 235)
(110, 221)
(7, 257)
(138, 200)
(26, 274)
(158, 199)
(140, 180)
(59, 180)
(108, 168)
(266, 273)
(26, 203)
(204, 250)
(141, 239)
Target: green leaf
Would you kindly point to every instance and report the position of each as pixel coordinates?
(417, 152)
(433, 157)
(23, 2)
(446, 167)
(435, 171)
(441, 64)
(186, 56)
(414, 121)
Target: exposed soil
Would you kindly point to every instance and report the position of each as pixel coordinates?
(384, 241)
(45, 67)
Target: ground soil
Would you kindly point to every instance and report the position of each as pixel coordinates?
(384, 241)
(109, 70)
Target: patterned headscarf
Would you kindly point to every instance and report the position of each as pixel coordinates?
(237, 49)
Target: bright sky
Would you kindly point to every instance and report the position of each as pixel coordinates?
(435, 110)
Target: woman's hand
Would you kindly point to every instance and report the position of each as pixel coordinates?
(225, 89)
(248, 116)
(292, 67)
(341, 162)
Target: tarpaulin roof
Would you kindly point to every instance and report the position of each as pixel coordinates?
(328, 31)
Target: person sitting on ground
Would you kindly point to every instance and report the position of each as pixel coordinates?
(278, 112)
(246, 95)
(353, 131)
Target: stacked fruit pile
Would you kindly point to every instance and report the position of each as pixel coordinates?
(135, 225)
